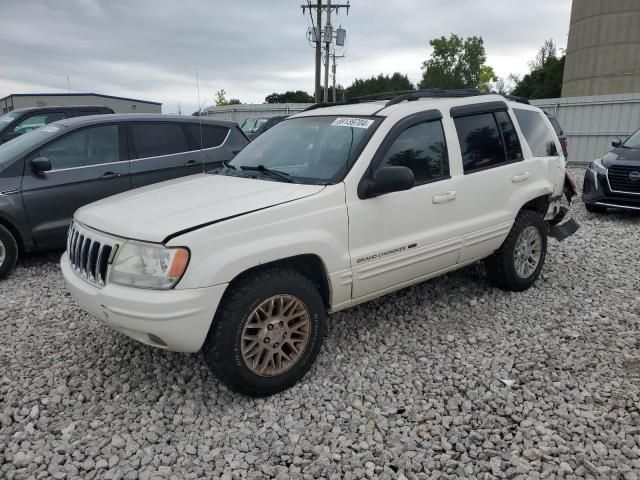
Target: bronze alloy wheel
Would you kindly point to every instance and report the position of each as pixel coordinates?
(275, 335)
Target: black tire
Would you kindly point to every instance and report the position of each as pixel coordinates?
(10, 251)
(591, 208)
(222, 348)
(501, 266)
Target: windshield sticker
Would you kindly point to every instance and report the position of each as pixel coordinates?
(352, 122)
(50, 129)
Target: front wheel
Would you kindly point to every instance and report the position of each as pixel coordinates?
(516, 265)
(267, 332)
(8, 252)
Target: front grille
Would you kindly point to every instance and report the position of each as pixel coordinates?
(89, 254)
(619, 179)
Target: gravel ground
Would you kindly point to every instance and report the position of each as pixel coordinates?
(447, 379)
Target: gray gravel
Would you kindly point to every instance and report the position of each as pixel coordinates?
(447, 379)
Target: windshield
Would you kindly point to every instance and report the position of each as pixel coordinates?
(24, 143)
(251, 125)
(306, 149)
(633, 141)
(6, 119)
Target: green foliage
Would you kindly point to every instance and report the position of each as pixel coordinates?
(456, 63)
(298, 96)
(234, 101)
(381, 83)
(545, 78)
(220, 98)
(487, 78)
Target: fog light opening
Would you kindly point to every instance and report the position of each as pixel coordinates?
(156, 340)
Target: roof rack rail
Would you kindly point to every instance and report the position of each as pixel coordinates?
(411, 95)
(515, 98)
(434, 93)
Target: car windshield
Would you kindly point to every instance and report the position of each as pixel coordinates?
(26, 142)
(633, 141)
(251, 125)
(304, 150)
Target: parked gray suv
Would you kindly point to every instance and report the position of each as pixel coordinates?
(48, 173)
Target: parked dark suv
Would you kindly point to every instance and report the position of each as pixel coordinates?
(613, 181)
(23, 120)
(47, 174)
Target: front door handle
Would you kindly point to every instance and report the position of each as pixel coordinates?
(191, 163)
(444, 197)
(109, 175)
(520, 177)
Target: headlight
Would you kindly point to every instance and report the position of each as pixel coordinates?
(597, 167)
(146, 265)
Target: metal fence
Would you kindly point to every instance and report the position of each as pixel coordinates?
(591, 123)
(239, 113)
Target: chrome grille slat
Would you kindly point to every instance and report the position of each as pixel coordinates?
(88, 254)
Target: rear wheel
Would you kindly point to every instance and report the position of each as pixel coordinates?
(267, 332)
(592, 208)
(516, 265)
(8, 251)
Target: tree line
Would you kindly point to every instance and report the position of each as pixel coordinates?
(455, 63)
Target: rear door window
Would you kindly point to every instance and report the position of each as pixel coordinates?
(211, 135)
(540, 138)
(156, 139)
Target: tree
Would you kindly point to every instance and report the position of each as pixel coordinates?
(380, 84)
(299, 96)
(487, 78)
(220, 98)
(456, 63)
(545, 78)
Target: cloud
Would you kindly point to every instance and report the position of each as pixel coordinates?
(151, 49)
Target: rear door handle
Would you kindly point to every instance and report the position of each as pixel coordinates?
(191, 163)
(109, 175)
(520, 177)
(444, 197)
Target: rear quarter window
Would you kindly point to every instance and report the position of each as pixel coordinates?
(211, 135)
(540, 138)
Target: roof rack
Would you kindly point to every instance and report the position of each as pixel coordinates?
(411, 95)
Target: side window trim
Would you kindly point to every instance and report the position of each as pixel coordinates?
(196, 141)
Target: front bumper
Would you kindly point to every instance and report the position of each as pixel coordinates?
(177, 320)
(596, 191)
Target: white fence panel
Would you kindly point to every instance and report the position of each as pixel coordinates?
(239, 113)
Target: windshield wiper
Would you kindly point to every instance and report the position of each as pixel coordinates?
(274, 173)
(228, 165)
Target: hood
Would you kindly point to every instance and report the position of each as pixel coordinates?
(622, 156)
(155, 212)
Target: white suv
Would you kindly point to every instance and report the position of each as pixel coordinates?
(332, 207)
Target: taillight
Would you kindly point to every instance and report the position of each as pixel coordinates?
(565, 145)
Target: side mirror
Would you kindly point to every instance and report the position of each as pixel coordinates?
(616, 143)
(388, 180)
(40, 164)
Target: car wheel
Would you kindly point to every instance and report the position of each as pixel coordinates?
(591, 208)
(8, 251)
(267, 332)
(516, 265)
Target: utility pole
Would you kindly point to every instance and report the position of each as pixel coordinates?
(318, 34)
(321, 36)
(328, 39)
(333, 70)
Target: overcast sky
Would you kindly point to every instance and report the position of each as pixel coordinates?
(151, 49)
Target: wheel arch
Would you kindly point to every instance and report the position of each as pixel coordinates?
(310, 265)
(15, 231)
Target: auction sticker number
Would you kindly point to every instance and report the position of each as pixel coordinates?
(352, 122)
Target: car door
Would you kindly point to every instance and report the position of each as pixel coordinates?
(494, 170)
(160, 151)
(398, 238)
(86, 165)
